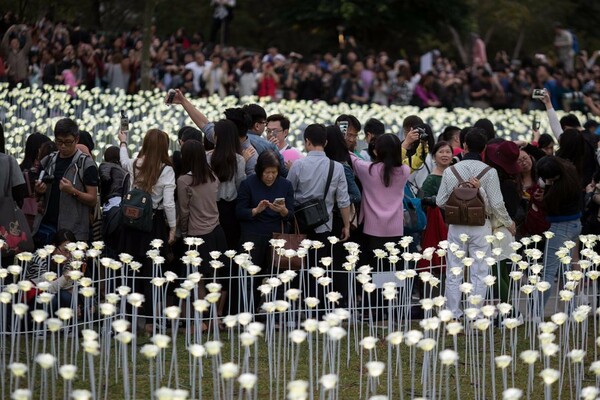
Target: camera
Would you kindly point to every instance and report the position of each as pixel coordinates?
(423, 135)
(573, 96)
(47, 179)
(538, 93)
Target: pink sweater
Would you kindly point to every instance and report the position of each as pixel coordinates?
(381, 207)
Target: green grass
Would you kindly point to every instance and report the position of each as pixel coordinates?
(349, 372)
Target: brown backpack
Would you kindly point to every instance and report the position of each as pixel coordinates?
(465, 206)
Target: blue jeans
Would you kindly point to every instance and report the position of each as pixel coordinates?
(563, 231)
(62, 299)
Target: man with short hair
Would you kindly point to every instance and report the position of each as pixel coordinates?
(309, 177)
(373, 129)
(257, 127)
(489, 187)
(250, 121)
(197, 67)
(352, 130)
(278, 128)
(17, 57)
(68, 187)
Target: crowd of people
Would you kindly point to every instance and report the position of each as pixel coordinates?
(53, 52)
(237, 181)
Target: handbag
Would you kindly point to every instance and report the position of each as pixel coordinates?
(435, 232)
(14, 229)
(415, 219)
(30, 204)
(292, 242)
(313, 213)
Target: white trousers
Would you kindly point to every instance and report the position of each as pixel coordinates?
(478, 271)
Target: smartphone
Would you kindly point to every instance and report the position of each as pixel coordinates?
(343, 127)
(538, 93)
(124, 122)
(279, 200)
(535, 125)
(170, 97)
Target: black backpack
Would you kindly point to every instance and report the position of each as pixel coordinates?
(136, 208)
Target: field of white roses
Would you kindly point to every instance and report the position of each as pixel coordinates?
(24, 111)
(294, 342)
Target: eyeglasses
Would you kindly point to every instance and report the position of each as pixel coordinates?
(273, 131)
(66, 143)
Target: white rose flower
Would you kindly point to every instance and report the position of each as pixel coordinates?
(589, 393)
(149, 350)
(247, 381)
(120, 325)
(212, 297)
(503, 361)
(375, 368)
(310, 325)
(412, 337)
(512, 394)
(576, 355)
(427, 344)
(336, 333)
(213, 347)
(21, 394)
(229, 370)
(448, 357)
(248, 246)
(124, 337)
(18, 369)
(368, 342)
(395, 338)
(45, 360)
(162, 341)
(81, 394)
(549, 376)
(247, 339)
(297, 336)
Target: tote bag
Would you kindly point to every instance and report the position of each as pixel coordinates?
(14, 229)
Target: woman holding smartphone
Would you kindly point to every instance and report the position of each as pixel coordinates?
(265, 203)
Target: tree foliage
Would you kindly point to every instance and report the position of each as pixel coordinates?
(398, 26)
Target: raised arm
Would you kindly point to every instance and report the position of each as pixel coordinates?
(552, 116)
(196, 115)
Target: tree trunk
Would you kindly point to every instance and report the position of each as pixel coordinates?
(459, 46)
(148, 13)
(96, 14)
(488, 34)
(519, 43)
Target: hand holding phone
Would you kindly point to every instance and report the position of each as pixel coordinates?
(538, 93)
(124, 122)
(279, 201)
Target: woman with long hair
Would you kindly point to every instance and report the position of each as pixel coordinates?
(383, 184)
(535, 219)
(197, 189)
(229, 167)
(32, 148)
(151, 172)
(503, 155)
(560, 193)
(574, 148)
(336, 149)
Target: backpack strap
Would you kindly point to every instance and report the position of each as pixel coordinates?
(455, 172)
(482, 173)
(329, 176)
